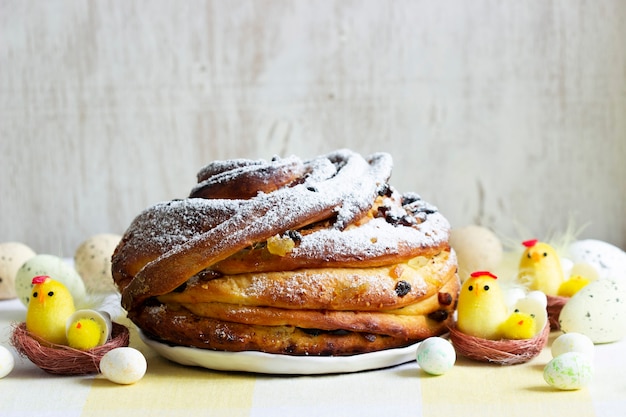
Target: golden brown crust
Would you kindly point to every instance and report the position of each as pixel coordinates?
(311, 257)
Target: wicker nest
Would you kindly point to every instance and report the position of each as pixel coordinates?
(502, 352)
(64, 360)
(555, 305)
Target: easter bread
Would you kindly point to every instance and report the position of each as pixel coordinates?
(290, 256)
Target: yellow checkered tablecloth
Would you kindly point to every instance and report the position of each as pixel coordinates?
(168, 389)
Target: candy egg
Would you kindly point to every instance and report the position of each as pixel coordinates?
(92, 260)
(54, 267)
(7, 361)
(477, 249)
(598, 311)
(123, 365)
(572, 342)
(12, 256)
(608, 260)
(436, 356)
(569, 371)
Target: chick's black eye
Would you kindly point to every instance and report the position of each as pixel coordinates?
(51, 293)
(486, 287)
(471, 288)
(528, 255)
(545, 254)
(35, 294)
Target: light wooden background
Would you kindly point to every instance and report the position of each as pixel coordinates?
(507, 114)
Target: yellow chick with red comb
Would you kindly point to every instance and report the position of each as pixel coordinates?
(540, 269)
(481, 307)
(49, 307)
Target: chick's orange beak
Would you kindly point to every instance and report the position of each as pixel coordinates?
(536, 256)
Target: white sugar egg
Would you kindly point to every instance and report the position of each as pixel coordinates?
(12, 256)
(92, 261)
(124, 365)
(569, 371)
(572, 342)
(436, 355)
(7, 361)
(598, 310)
(56, 268)
(607, 259)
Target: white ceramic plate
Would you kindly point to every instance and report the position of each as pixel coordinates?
(266, 363)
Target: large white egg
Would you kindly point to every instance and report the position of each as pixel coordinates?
(92, 261)
(123, 365)
(12, 256)
(477, 249)
(608, 260)
(57, 269)
(598, 311)
(569, 371)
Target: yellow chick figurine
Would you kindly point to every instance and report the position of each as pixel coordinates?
(49, 307)
(87, 329)
(84, 334)
(481, 307)
(540, 267)
(572, 285)
(518, 326)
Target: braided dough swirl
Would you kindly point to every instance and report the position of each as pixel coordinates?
(288, 256)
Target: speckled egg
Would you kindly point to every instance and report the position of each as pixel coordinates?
(598, 311)
(572, 342)
(7, 361)
(477, 249)
(436, 355)
(123, 365)
(56, 268)
(92, 260)
(609, 260)
(12, 256)
(569, 371)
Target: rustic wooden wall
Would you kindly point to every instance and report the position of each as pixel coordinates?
(506, 114)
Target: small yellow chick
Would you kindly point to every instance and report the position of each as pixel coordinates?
(482, 307)
(540, 267)
(49, 307)
(518, 326)
(87, 329)
(84, 334)
(572, 285)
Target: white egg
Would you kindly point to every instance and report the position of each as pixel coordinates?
(573, 342)
(608, 260)
(57, 269)
(477, 249)
(436, 355)
(92, 260)
(569, 371)
(123, 365)
(7, 361)
(12, 256)
(597, 310)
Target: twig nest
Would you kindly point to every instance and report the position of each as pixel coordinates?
(502, 352)
(554, 307)
(64, 360)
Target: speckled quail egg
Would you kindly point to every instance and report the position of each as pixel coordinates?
(56, 268)
(92, 260)
(598, 311)
(12, 256)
